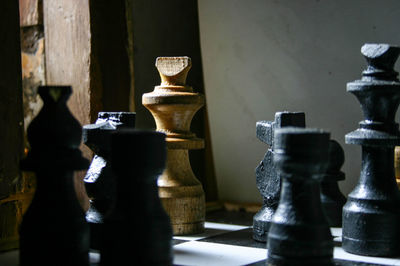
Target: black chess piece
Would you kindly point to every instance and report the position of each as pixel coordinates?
(371, 216)
(331, 198)
(138, 230)
(100, 179)
(267, 179)
(54, 230)
(299, 233)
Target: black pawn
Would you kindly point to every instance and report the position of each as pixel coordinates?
(267, 179)
(100, 179)
(331, 198)
(138, 230)
(54, 230)
(371, 216)
(299, 232)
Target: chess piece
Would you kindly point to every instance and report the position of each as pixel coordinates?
(397, 164)
(299, 233)
(100, 179)
(267, 179)
(138, 230)
(331, 198)
(371, 216)
(173, 105)
(53, 229)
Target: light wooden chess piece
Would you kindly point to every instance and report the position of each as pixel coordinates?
(173, 105)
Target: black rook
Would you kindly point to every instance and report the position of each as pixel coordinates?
(299, 232)
(138, 230)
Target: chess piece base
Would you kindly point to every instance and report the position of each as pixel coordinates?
(373, 240)
(274, 260)
(371, 216)
(261, 223)
(187, 214)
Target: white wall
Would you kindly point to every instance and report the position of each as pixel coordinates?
(264, 56)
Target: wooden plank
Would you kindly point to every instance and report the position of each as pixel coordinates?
(31, 12)
(68, 48)
(86, 47)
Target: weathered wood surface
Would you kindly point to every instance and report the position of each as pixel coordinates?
(31, 12)
(32, 57)
(87, 47)
(68, 48)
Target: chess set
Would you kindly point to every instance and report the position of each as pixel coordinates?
(148, 208)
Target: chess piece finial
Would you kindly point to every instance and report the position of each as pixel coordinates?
(299, 233)
(55, 217)
(381, 59)
(173, 105)
(173, 70)
(267, 179)
(100, 179)
(137, 230)
(331, 198)
(371, 216)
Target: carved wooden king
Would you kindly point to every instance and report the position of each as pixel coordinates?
(173, 105)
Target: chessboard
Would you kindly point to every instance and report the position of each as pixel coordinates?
(227, 240)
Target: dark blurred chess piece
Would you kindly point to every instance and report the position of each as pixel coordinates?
(173, 105)
(100, 179)
(371, 216)
(138, 230)
(54, 230)
(331, 198)
(299, 233)
(267, 179)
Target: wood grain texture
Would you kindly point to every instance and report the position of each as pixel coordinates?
(173, 105)
(87, 47)
(68, 48)
(31, 12)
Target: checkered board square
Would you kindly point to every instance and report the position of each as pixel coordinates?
(227, 244)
